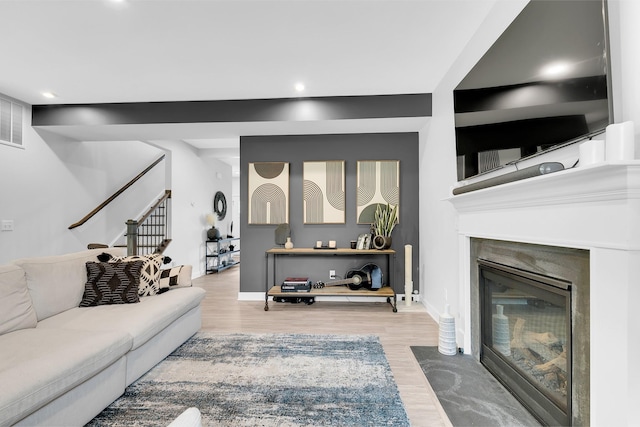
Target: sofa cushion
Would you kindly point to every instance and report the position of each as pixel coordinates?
(16, 310)
(38, 365)
(56, 283)
(150, 271)
(111, 283)
(142, 321)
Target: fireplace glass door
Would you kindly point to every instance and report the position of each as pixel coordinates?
(526, 338)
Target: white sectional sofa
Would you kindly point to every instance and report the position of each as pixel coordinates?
(61, 364)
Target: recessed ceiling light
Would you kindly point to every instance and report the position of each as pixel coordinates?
(299, 87)
(556, 69)
(49, 95)
(118, 4)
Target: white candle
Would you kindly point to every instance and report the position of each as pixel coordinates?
(591, 152)
(620, 143)
(408, 282)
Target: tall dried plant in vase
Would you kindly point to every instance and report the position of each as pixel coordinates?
(384, 221)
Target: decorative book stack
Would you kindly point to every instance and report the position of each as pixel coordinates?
(296, 284)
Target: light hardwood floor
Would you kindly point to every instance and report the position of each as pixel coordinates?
(223, 313)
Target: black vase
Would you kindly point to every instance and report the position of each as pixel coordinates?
(381, 242)
(213, 234)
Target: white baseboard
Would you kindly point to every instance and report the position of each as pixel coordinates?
(435, 314)
(413, 307)
(250, 296)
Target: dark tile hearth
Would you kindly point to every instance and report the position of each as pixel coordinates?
(468, 393)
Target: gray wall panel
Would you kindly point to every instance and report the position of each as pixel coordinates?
(296, 149)
(242, 110)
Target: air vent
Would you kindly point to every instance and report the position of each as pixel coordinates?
(11, 122)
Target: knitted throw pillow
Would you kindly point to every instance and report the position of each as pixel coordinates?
(111, 283)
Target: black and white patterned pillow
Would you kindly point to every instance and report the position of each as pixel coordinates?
(150, 272)
(111, 283)
(170, 278)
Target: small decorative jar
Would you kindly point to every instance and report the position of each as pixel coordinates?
(288, 244)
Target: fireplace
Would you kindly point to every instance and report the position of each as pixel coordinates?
(584, 218)
(525, 337)
(531, 303)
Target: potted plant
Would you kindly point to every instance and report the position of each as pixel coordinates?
(384, 221)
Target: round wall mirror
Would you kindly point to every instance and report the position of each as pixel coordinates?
(220, 205)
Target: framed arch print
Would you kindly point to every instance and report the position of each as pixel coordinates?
(324, 195)
(377, 182)
(268, 193)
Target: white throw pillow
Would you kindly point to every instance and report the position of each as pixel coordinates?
(175, 277)
(150, 274)
(189, 418)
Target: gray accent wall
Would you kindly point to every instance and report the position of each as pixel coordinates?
(296, 149)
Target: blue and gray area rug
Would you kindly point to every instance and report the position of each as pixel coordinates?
(266, 380)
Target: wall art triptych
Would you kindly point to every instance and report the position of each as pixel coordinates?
(378, 182)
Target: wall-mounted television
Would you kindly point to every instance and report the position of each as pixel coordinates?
(544, 84)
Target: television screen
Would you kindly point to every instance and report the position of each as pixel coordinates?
(543, 84)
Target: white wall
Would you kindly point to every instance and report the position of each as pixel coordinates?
(235, 203)
(438, 226)
(624, 17)
(194, 180)
(53, 182)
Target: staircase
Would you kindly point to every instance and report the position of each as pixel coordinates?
(150, 233)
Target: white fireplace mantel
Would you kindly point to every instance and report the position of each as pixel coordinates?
(596, 208)
(607, 181)
(593, 206)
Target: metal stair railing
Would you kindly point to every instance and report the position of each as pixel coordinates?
(115, 195)
(151, 233)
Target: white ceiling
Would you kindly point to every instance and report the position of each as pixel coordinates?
(97, 51)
